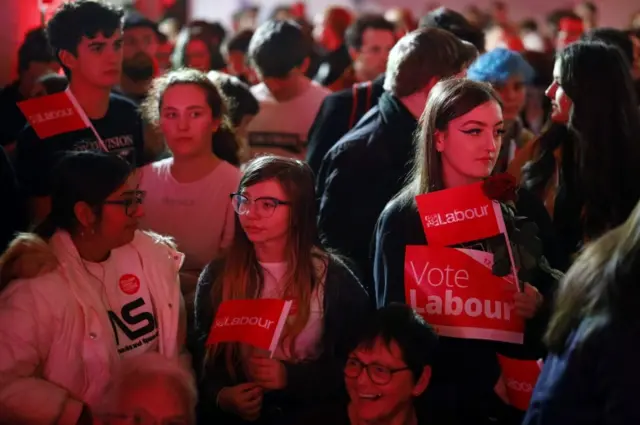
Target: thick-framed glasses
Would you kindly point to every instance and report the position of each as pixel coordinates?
(133, 199)
(264, 206)
(378, 374)
(139, 417)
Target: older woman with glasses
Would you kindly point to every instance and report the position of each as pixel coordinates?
(107, 292)
(275, 253)
(387, 372)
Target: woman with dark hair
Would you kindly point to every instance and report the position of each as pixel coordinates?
(108, 291)
(275, 253)
(243, 107)
(188, 193)
(458, 144)
(196, 48)
(590, 377)
(586, 171)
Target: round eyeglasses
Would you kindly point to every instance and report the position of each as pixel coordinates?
(264, 206)
(131, 201)
(379, 374)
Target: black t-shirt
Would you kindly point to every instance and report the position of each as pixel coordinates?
(12, 119)
(120, 129)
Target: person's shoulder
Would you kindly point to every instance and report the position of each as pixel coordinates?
(319, 89)
(121, 100)
(10, 93)
(121, 105)
(48, 289)
(230, 174)
(398, 209)
(355, 141)
(261, 92)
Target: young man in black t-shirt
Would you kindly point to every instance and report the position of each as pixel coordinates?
(86, 36)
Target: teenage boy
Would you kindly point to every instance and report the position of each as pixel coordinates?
(289, 101)
(86, 36)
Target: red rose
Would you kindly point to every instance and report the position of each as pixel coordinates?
(501, 187)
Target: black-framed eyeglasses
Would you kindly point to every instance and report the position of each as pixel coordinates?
(378, 373)
(133, 200)
(139, 417)
(264, 206)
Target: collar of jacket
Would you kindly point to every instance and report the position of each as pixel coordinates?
(397, 117)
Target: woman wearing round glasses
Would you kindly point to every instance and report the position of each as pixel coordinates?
(277, 255)
(107, 292)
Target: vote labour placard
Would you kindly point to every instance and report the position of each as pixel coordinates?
(256, 322)
(458, 215)
(53, 114)
(455, 291)
(520, 377)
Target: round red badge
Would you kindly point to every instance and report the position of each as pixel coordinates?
(129, 284)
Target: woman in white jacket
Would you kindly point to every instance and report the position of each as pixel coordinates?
(113, 293)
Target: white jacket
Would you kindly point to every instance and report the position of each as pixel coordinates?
(57, 349)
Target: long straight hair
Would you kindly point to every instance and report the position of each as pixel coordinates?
(601, 285)
(448, 100)
(238, 275)
(605, 118)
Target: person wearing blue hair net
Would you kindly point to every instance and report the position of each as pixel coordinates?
(509, 74)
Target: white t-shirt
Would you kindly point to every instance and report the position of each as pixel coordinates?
(308, 343)
(121, 285)
(198, 215)
(281, 128)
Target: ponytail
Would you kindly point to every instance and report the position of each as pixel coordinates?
(225, 143)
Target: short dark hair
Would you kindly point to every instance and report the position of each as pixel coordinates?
(529, 25)
(239, 42)
(278, 47)
(240, 100)
(355, 32)
(82, 18)
(399, 323)
(613, 37)
(134, 19)
(34, 48)
(454, 22)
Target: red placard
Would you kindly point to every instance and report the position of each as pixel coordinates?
(458, 215)
(456, 292)
(255, 322)
(52, 114)
(520, 377)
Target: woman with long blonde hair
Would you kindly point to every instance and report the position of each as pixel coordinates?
(275, 253)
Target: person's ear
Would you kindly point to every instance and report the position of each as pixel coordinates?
(68, 59)
(439, 140)
(354, 53)
(84, 214)
(423, 382)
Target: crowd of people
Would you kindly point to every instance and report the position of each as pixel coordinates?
(282, 160)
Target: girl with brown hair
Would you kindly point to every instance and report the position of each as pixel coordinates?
(275, 253)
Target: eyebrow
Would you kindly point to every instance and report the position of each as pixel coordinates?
(189, 108)
(480, 123)
(97, 43)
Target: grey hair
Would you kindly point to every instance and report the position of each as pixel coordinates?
(148, 367)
